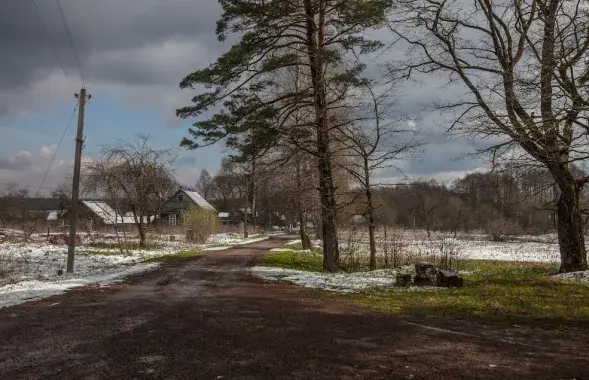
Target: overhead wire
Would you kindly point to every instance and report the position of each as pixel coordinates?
(57, 148)
(51, 41)
(71, 40)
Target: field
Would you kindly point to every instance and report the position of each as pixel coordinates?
(515, 282)
(29, 271)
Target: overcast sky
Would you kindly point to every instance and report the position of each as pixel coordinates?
(133, 54)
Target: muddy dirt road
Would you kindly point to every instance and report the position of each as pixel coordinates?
(213, 321)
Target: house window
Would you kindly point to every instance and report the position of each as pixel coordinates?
(180, 197)
(172, 219)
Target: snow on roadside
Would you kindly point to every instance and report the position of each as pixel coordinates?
(338, 282)
(32, 290)
(32, 267)
(582, 276)
(234, 239)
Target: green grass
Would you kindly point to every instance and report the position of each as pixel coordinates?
(181, 254)
(125, 246)
(294, 247)
(516, 293)
(294, 260)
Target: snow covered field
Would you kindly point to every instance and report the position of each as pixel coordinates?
(542, 248)
(29, 271)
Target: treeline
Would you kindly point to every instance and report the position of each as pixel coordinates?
(500, 204)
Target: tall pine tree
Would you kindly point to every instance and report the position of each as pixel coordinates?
(322, 40)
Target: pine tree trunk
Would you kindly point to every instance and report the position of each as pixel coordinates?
(315, 37)
(571, 239)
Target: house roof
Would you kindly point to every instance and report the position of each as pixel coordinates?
(198, 199)
(55, 214)
(103, 211)
(108, 215)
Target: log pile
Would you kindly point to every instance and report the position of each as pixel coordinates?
(427, 274)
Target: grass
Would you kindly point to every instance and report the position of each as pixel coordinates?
(181, 254)
(125, 246)
(294, 247)
(517, 293)
(507, 292)
(312, 262)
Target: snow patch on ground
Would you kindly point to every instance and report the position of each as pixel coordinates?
(542, 248)
(234, 239)
(338, 282)
(582, 276)
(33, 290)
(293, 242)
(29, 271)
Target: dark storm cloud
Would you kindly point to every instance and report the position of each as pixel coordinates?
(138, 48)
(109, 37)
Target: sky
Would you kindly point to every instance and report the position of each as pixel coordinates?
(132, 56)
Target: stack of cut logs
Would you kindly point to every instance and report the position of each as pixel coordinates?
(428, 274)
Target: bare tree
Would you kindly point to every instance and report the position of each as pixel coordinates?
(204, 183)
(374, 139)
(101, 177)
(524, 67)
(143, 175)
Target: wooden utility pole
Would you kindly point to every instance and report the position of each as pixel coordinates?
(76, 182)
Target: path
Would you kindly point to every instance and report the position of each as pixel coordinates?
(213, 321)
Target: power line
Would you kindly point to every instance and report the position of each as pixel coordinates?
(57, 149)
(51, 41)
(69, 34)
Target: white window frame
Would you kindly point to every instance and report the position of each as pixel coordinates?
(172, 219)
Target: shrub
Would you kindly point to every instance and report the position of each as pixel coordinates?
(201, 224)
(501, 229)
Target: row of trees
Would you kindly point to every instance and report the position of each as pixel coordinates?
(294, 85)
(502, 204)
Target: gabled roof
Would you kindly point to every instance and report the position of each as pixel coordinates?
(198, 199)
(103, 211)
(55, 214)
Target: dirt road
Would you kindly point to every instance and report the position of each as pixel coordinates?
(213, 321)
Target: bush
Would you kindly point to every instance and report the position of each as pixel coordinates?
(201, 224)
(501, 229)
